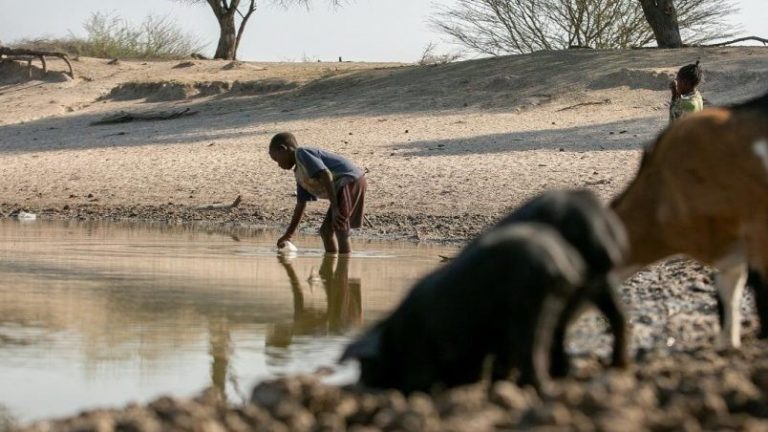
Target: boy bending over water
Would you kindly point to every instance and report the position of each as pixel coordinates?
(326, 175)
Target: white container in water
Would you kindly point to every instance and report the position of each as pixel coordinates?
(288, 248)
(26, 216)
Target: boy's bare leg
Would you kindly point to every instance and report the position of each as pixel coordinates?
(345, 246)
(327, 267)
(326, 233)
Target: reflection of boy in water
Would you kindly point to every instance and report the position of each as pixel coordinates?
(343, 304)
(220, 350)
(345, 309)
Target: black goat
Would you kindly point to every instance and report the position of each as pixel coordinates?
(499, 300)
(599, 236)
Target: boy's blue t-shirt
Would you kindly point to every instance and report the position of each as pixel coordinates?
(311, 161)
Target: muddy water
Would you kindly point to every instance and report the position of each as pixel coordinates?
(95, 315)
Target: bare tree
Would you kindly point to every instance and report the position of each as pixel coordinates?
(229, 12)
(518, 26)
(430, 57)
(662, 17)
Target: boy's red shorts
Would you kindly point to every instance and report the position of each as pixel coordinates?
(351, 199)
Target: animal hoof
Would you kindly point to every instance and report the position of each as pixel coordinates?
(727, 345)
(547, 389)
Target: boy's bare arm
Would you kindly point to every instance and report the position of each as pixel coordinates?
(298, 213)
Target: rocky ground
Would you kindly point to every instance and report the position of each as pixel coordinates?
(455, 228)
(682, 391)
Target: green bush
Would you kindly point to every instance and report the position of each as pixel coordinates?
(110, 36)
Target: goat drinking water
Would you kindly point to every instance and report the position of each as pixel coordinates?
(499, 300)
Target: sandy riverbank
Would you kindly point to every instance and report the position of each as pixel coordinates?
(448, 149)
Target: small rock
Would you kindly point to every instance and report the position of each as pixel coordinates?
(509, 396)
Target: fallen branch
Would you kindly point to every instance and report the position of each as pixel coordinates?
(20, 53)
(367, 221)
(234, 204)
(602, 102)
(125, 116)
(730, 42)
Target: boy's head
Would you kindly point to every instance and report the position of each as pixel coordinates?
(688, 77)
(282, 148)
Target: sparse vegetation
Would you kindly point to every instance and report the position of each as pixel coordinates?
(430, 57)
(110, 36)
(498, 27)
(233, 16)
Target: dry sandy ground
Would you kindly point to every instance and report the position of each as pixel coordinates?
(449, 148)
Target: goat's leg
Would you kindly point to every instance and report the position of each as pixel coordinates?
(505, 357)
(729, 282)
(753, 281)
(559, 364)
(534, 356)
(721, 308)
(758, 269)
(605, 298)
(758, 284)
(533, 363)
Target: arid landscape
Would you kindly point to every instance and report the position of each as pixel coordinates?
(448, 149)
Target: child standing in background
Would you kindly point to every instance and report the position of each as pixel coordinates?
(686, 98)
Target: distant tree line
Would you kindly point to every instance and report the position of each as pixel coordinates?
(110, 36)
(519, 26)
(233, 16)
(491, 27)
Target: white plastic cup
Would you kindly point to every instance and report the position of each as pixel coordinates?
(287, 248)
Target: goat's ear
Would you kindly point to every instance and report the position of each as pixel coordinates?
(366, 347)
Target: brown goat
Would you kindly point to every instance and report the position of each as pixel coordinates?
(702, 190)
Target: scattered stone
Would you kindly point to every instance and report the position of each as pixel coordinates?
(185, 64)
(681, 391)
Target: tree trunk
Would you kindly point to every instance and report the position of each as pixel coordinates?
(243, 22)
(662, 17)
(227, 47)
